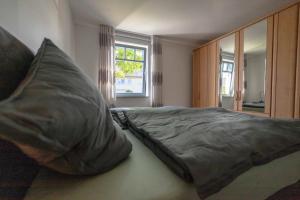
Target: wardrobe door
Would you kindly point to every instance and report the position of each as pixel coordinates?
(255, 67)
(211, 74)
(238, 85)
(269, 64)
(196, 78)
(284, 65)
(227, 72)
(297, 94)
(203, 76)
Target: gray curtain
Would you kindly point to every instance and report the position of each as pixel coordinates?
(106, 81)
(157, 77)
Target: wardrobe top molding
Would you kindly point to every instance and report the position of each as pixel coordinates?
(249, 24)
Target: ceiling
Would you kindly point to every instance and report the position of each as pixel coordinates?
(194, 20)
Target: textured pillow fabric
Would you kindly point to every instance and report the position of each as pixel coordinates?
(58, 117)
(15, 59)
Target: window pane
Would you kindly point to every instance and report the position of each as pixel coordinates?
(129, 67)
(224, 67)
(120, 52)
(129, 70)
(139, 55)
(130, 84)
(229, 67)
(129, 77)
(129, 53)
(226, 83)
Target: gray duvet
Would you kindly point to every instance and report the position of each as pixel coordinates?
(210, 147)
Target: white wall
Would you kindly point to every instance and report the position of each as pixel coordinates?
(255, 77)
(177, 64)
(177, 77)
(177, 73)
(87, 57)
(87, 49)
(32, 20)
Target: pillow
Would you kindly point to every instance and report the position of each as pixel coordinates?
(15, 59)
(58, 117)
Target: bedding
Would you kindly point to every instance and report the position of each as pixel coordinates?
(17, 172)
(58, 117)
(144, 177)
(254, 106)
(291, 192)
(15, 60)
(211, 146)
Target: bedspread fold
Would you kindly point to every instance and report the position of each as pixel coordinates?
(210, 147)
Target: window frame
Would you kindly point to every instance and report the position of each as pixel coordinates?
(132, 46)
(231, 76)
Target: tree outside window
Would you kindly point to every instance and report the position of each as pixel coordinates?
(130, 66)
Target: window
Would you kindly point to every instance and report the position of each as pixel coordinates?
(227, 78)
(130, 64)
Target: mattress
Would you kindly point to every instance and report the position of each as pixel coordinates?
(144, 177)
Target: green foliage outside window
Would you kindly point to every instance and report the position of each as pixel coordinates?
(126, 61)
(139, 55)
(129, 54)
(120, 52)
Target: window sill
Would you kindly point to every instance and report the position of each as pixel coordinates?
(132, 96)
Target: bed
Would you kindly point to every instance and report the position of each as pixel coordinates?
(144, 177)
(254, 106)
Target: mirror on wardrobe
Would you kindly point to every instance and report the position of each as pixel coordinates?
(227, 72)
(255, 47)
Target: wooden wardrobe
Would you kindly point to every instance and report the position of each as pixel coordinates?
(204, 76)
(282, 78)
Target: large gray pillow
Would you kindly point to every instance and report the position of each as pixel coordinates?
(58, 117)
(15, 60)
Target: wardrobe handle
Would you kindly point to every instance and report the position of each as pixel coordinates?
(238, 95)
